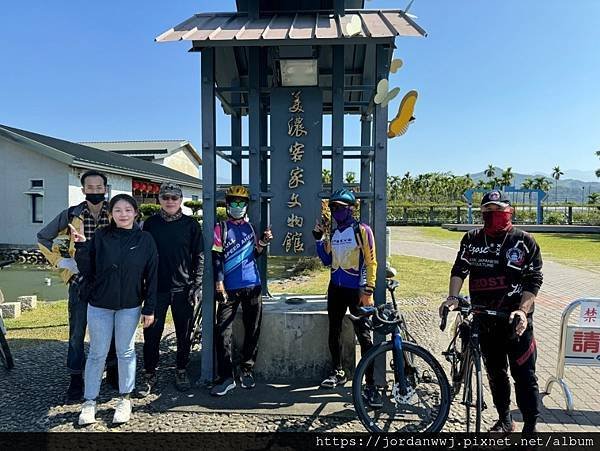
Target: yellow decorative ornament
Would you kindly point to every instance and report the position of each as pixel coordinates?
(400, 123)
(395, 65)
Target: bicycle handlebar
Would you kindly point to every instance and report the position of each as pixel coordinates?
(465, 308)
(369, 311)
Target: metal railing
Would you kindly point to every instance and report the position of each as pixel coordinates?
(562, 356)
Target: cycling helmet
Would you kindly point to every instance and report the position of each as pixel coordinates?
(343, 196)
(237, 191)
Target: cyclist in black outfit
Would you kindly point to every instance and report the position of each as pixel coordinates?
(504, 267)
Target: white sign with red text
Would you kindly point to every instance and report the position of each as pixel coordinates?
(589, 315)
(582, 346)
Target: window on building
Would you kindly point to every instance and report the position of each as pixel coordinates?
(194, 198)
(37, 208)
(37, 183)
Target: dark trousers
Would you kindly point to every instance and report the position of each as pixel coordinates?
(499, 352)
(251, 302)
(182, 312)
(77, 309)
(338, 300)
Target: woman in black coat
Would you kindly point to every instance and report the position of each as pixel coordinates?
(119, 266)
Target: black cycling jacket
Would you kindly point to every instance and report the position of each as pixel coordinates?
(499, 269)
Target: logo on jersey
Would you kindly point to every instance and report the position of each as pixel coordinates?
(515, 256)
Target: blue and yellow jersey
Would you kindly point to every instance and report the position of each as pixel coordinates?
(351, 265)
(234, 255)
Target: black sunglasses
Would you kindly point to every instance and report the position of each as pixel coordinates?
(168, 197)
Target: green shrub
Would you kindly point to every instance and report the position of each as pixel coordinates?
(194, 205)
(148, 210)
(306, 265)
(555, 218)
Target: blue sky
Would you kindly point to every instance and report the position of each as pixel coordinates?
(512, 83)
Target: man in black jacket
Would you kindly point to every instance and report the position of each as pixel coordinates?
(504, 265)
(181, 264)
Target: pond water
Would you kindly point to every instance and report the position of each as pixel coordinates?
(27, 280)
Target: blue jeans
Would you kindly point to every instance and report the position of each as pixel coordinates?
(77, 326)
(102, 323)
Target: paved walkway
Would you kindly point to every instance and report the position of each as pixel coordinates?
(31, 394)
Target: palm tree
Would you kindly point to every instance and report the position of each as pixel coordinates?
(594, 198)
(527, 184)
(326, 176)
(490, 171)
(541, 183)
(598, 170)
(556, 173)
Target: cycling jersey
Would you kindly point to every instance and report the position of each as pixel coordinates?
(499, 269)
(234, 255)
(353, 264)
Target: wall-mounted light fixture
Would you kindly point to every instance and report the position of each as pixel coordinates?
(299, 72)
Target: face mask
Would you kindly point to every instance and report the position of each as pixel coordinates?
(95, 198)
(342, 216)
(497, 222)
(236, 212)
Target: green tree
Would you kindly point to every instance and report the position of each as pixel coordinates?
(394, 184)
(594, 198)
(541, 183)
(507, 177)
(598, 170)
(527, 184)
(556, 173)
(490, 171)
(194, 205)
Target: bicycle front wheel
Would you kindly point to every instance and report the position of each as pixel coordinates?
(425, 406)
(473, 394)
(5, 354)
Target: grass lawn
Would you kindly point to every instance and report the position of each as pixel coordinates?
(568, 248)
(49, 321)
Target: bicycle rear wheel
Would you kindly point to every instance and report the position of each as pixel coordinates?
(424, 409)
(473, 394)
(5, 354)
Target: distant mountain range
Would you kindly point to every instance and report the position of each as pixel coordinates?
(570, 189)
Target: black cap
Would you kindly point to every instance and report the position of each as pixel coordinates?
(495, 197)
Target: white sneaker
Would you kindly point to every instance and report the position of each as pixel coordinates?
(122, 411)
(88, 413)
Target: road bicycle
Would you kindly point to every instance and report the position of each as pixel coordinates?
(415, 389)
(464, 356)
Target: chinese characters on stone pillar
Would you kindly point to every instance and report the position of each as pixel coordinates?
(293, 240)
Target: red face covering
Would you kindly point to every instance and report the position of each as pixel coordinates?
(497, 222)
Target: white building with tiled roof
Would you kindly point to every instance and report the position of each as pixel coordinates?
(39, 177)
